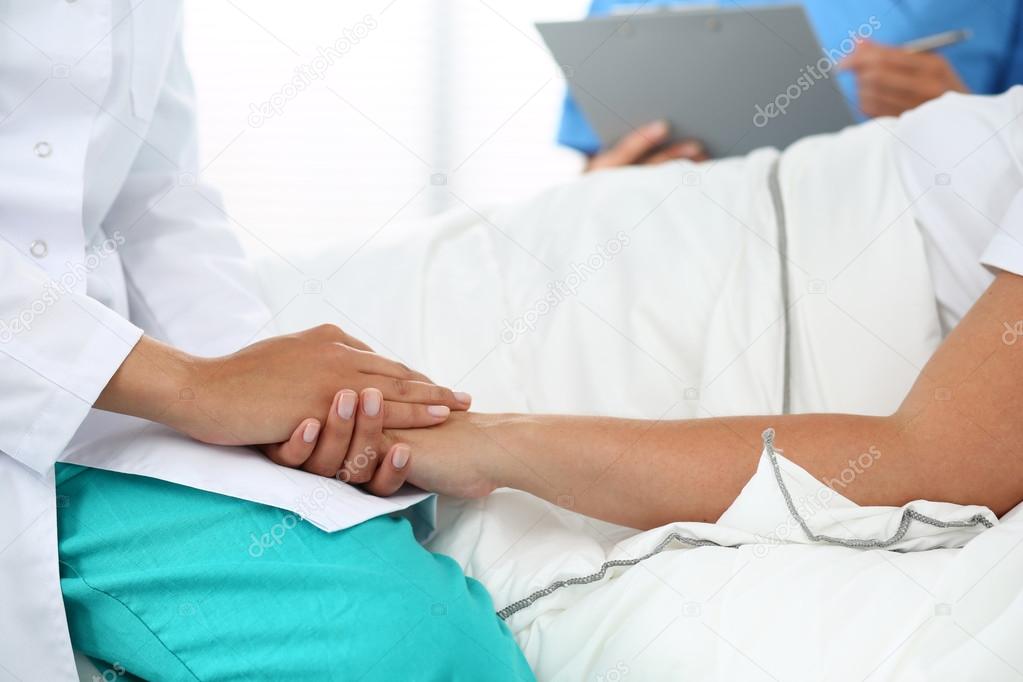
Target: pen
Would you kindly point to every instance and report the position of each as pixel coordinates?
(938, 41)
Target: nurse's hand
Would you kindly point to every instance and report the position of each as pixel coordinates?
(644, 146)
(891, 80)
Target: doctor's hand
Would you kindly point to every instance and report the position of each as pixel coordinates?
(891, 80)
(259, 394)
(645, 146)
(351, 446)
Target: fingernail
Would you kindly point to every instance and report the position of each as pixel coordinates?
(400, 456)
(657, 129)
(438, 410)
(371, 400)
(311, 431)
(346, 405)
(463, 397)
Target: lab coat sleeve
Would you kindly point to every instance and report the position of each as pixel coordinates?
(58, 350)
(189, 283)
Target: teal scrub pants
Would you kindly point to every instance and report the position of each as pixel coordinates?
(165, 582)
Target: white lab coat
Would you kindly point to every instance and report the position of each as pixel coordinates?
(106, 230)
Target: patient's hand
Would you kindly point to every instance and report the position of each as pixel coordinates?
(645, 146)
(892, 80)
(460, 458)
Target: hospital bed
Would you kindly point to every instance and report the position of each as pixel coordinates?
(661, 274)
(775, 610)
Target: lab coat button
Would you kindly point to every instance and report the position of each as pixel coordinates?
(43, 149)
(39, 249)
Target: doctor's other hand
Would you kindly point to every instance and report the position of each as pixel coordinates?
(351, 446)
(259, 394)
(449, 458)
(892, 81)
(645, 146)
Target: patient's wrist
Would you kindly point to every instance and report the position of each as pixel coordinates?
(507, 446)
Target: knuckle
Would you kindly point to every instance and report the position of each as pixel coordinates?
(291, 457)
(329, 330)
(361, 477)
(343, 429)
(874, 62)
(338, 357)
(439, 394)
(362, 461)
(633, 139)
(359, 469)
(401, 386)
(371, 453)
(319, 470)
(870, 78)
(392, 411)
(368, 427)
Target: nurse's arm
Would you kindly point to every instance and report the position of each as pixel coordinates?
(957, 437)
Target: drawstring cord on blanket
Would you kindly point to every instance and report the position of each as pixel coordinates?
(908, 514)
(774, 186)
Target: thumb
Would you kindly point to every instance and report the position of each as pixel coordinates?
(633, 147)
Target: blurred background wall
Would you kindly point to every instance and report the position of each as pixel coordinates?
(324, 119)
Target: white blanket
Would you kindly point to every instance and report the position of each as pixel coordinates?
(657, 293)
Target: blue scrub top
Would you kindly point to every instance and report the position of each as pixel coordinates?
(989, 63)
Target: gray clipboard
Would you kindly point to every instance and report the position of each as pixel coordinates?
(720, 75)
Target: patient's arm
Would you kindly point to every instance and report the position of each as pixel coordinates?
(957, 437)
